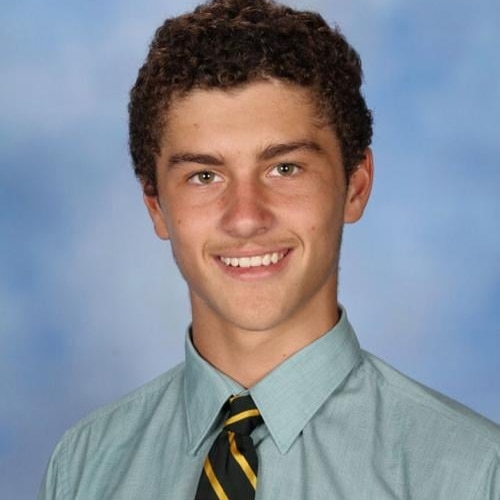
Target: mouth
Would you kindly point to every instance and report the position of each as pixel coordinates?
(263, 260)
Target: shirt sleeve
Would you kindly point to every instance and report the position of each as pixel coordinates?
(51, 487)
(489, 488)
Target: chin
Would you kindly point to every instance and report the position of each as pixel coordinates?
(256, 320)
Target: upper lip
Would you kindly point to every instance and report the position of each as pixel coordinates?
(238, 254)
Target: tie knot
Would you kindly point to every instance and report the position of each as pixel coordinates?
(243, 416)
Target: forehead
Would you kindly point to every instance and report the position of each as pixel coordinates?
(263, 111)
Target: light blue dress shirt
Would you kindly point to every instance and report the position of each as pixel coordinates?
(338, 424)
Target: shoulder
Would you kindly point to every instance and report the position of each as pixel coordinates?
(432, 428)
(411, 397)
(136, 406)
(109, 433)
(443, 443)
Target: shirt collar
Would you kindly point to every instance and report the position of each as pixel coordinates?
(293, 392)
(287, 397)
(205, 392)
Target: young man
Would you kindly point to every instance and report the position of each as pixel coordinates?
(251, 138)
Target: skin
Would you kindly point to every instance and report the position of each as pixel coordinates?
(249, 172)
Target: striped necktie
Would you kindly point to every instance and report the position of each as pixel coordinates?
(230, 470)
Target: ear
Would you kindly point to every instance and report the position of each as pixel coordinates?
(359, 188)
(155, 212)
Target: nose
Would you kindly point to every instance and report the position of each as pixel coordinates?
(246, 209)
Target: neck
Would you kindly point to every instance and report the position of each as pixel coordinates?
(248, 355)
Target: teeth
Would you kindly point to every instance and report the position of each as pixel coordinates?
(244, 262)
(255, 261)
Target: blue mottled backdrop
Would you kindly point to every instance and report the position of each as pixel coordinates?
(91, 305)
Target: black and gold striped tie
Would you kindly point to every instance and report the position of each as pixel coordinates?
(230, 470)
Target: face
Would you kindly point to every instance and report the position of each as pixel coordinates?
(253, 197)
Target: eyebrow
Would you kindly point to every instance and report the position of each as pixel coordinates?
(202, 159)
(268, 153)
(274, 150)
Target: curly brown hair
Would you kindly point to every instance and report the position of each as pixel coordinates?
(227, 43)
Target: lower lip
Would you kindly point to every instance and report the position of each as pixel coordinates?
(258, 272)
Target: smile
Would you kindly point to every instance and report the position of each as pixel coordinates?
(266, 259)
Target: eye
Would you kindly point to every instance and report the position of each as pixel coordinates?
(204, 177)
(285, 170)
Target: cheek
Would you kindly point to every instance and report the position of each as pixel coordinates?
(326, 225)
(323, 214)
(176, 217)
(187, 232)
